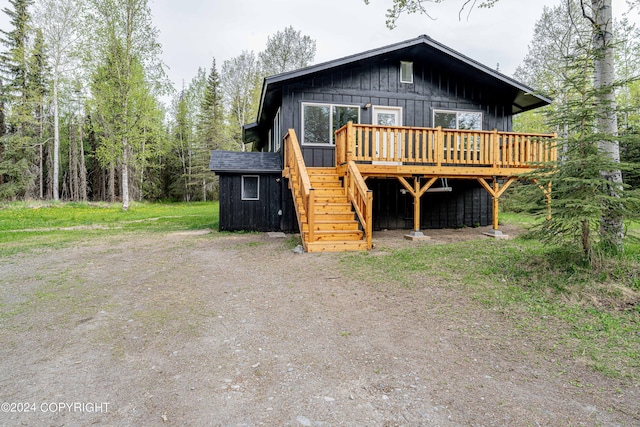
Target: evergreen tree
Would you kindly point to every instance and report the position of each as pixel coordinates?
(212, 112)
(581, 195)
(18, 145)
(210, 130)
(38, 84)
(182, 135)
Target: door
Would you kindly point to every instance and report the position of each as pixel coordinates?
(387, 146)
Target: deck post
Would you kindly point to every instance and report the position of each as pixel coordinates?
(495, 191)
(416, 191)
(496, 204)
(351, 142)
(416, 205)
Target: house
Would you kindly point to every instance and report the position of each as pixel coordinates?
(413, 135)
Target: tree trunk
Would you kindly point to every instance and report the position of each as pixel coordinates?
(56, 137)
(83, 167)
(125, 174)
(611, 224)
(74, 185)
(143, 164)
(112, 182)
(41, 153)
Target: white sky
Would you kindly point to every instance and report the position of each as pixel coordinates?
(193, 32)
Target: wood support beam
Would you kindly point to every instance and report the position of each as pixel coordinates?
(495, 190)
(416, 191)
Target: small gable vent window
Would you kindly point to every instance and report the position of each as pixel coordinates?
(250, 187)
(406, 72)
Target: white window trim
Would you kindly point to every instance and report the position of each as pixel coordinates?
(269, 143)
(411, 76)
(332, 142)
(277, 134)
(456, 112)
(257, 189)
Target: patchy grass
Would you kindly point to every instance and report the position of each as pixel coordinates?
(593, 313)
(29, 226)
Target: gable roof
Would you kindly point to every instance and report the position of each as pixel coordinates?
(522, 97)
(239, 162)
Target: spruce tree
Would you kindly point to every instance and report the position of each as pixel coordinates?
(581, 194)
(38, 83)
(210, 130)
(18, 151)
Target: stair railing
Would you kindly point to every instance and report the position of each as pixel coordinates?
(296, 171)
(361, 198)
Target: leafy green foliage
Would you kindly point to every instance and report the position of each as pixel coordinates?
(287, 50)
(589, 204)
(400, 7)
(26, 227)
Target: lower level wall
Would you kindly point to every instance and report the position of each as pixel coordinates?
(263, 214)
(467, 205)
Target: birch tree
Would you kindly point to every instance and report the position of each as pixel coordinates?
(287, 50)
(240, 82)
(128, 39)
(59, 21)
(604, 78)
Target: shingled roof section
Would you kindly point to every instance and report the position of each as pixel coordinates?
(242, 162)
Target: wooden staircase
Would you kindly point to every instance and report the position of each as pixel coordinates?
(333, 206)
(335, 227)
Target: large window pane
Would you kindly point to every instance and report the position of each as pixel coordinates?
(317, 124)
(467, 120)
(470, 121)
(444, 119)
(321, 121)
(344, 115)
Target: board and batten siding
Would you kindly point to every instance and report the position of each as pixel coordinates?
(250, 215)
(468, 205)
(378, 83)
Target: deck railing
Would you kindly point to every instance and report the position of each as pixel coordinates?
(295, 170)
(361, 198)
(442, 147)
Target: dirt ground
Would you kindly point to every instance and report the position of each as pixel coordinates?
(236, 330)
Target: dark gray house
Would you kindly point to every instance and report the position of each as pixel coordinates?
(429, 130)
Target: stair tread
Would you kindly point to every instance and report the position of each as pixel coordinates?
(335, 226)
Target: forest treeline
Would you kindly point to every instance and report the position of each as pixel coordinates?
(82, 104)
(83, 92)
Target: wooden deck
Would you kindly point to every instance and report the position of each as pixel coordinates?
(417, 157)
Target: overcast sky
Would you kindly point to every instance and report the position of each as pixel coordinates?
(193, 32)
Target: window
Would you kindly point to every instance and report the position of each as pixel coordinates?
(320, 121)
(250, 187)
(464, 120)
(406, 72)
(469, 120)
